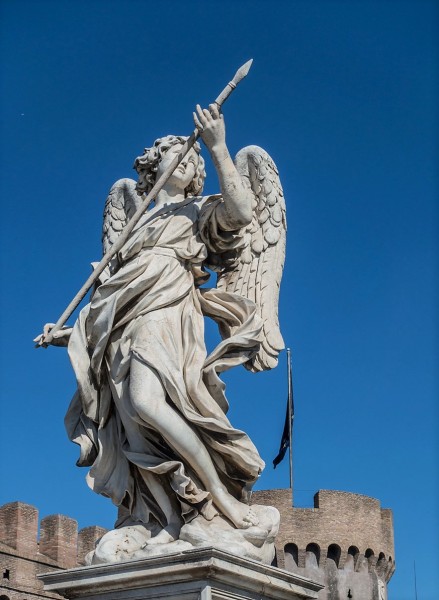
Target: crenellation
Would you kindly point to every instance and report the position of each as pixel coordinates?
(22, 558)
(59, 539)
(345, 541)
(87, 539)
(19, 526)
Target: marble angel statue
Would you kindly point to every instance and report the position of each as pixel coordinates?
(149, 413)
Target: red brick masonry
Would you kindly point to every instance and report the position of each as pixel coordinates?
(23, 557)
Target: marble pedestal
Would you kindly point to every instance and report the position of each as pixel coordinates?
(200, 574)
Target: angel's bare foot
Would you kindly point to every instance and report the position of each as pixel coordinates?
(167, 535)
(241, 515)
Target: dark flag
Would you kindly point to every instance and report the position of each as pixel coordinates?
(286, 440)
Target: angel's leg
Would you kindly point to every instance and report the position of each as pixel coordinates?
(149, 400)
(171, 531)
(160, 493)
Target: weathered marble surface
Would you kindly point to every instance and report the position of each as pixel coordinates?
(203, 574)
(150, 411)
(131, 542)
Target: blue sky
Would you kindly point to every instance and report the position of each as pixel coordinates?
(344, 96)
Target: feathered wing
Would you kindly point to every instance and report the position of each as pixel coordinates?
(120, 206)
(257, 272)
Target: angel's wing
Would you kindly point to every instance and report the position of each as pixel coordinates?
(257, 272)
(121, 204)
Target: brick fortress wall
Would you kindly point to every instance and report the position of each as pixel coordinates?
(23, 556)
(344, 542)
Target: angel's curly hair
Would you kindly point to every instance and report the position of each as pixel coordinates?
(147, 164)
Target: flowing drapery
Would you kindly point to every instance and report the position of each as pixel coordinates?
(151, 311)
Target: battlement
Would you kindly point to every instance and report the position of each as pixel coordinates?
(345, 541)
(27, 550)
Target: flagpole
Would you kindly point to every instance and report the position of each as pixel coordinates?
(290, 419)
(287, 434)
(416, 587)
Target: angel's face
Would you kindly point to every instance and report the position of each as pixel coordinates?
(185, 172)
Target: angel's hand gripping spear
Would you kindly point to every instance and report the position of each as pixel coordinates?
(49, 335)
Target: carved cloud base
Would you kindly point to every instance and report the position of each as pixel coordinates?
(204, 574)
(135, 541)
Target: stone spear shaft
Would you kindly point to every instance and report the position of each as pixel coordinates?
(239, 75)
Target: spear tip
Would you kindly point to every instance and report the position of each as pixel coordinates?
(242, 71)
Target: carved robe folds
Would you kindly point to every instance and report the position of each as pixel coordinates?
(151, 310)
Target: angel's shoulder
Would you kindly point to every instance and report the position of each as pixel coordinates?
(202, 201)
(205, 205)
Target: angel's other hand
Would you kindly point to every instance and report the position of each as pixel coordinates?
(210, 124)
(60, 338)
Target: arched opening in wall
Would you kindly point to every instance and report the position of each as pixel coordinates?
(291, 552)
(353, 551)
(3, 597)
(312, 557)
(334, 553)
(381, 565)
(351, 558)
(370, 556)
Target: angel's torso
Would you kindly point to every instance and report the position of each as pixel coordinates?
(159, 265)
(174, 229)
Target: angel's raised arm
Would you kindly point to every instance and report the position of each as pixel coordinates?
(236, 210)
(257, 269)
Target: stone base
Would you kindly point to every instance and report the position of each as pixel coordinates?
(201, 574)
